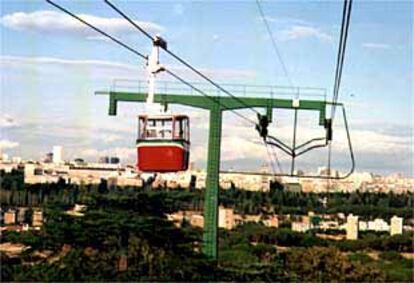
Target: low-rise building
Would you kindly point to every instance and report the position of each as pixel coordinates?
(271, 221)
(378, 225)
(301, 226)
(363, 226)
(10, 217)
(37, 218)
(329, 225)
(197, 221)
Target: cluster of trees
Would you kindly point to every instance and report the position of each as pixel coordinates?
(126, 237)
(319, 264)
(121, 237)
(258, 233)
(12, 180)
(369, 205)
(14, 192)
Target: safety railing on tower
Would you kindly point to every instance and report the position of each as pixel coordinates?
(243, 90)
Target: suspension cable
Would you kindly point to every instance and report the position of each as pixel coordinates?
(98, 30)
(346, 18)
(273, 40)
(279, 165)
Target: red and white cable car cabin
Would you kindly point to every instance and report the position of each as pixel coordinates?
(163, 143)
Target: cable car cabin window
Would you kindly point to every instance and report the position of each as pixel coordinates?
(158, 129)
(141, 127)
(163, 128)
(181, 128)
(178, 129)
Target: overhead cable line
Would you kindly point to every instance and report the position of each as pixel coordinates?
(182, 61)
(273, 40)
(346, 17)
(130, 20)
(270, 158)
(279, 165)
(98, 30)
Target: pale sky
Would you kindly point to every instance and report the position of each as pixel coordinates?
(51, 66)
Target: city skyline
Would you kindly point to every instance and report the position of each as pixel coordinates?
(48, 85)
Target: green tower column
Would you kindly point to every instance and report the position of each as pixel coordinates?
(212, 184)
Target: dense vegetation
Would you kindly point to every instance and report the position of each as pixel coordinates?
(366, 205)
(125, 236)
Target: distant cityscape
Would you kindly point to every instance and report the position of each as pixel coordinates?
(54, 167)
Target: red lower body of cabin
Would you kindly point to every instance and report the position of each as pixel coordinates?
(161, 158)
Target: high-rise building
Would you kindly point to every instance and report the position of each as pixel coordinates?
(57, 154)
(352, 227)
(4, 157)
(396, 225)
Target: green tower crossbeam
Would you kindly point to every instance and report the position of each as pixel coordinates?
(215, 106)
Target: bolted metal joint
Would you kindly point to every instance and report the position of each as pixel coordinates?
(328, 128)
(160, 42)
(261, 127)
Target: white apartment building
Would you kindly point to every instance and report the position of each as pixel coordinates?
(57, 154)
(352, 227)
(396, 226)
(226, 218)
